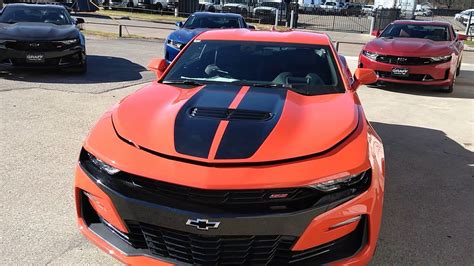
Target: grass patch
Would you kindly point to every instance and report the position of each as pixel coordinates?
(470, 43)
(111, 35)
(142, 16)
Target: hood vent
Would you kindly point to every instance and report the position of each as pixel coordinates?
(229, 114)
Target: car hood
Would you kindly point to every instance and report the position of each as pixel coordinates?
(265, 8)
(221, 123)
(184, 35)
(409, 47)
(27, 31)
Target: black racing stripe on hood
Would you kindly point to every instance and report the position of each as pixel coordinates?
(194, 135)
(242, 138)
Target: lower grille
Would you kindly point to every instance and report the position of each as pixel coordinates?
(221, 250)
(239, 250)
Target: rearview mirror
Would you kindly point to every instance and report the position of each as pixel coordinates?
(158, 66)
(363, 76)
(375, 33)
(179, 24)
(462, 37)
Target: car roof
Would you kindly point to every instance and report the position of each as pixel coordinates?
(422, 22)
(301, 37)
(212, 14)
(35, 5)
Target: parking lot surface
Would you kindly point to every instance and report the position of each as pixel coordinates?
(44, 117)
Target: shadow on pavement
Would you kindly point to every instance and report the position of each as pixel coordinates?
(101, 69)
(463, 88)
(428, 198)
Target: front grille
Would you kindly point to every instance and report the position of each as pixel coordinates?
(199, 249)
(231, 9)
(411, 77)
(229, 114)
(241, 201)
(409, 61)
(46, 46)
(263, 12)
(222, 250)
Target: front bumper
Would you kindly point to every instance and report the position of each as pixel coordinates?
(432, 75)
(135, 231)
(75, 56)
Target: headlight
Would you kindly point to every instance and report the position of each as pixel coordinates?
(342, 183)
(370, 55)
(176, 44)
(103, 166)
(440, 59)
(69, 42)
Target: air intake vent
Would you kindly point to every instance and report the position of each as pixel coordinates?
(229, 114)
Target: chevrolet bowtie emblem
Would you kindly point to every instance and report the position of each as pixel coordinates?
(203, 224)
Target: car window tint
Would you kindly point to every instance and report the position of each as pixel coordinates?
(310, 69)
(432, 32)
(41, 14)
(212, 22)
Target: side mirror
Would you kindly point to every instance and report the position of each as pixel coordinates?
(80, 21)
(363, 76)
(179, 24)
(251, 27)
(158, 66)
(462, 37)
(375, 33)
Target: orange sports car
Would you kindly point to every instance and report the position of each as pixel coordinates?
(250, 148)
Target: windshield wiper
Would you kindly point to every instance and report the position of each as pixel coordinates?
(185, 82)
(266, 85)
(272, 85)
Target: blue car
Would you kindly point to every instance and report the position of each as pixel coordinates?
(197, 23)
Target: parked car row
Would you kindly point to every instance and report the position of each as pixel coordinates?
(463, 17)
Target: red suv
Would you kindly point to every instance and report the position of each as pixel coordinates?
(415, 52)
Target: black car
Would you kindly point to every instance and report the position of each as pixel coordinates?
(41, 36)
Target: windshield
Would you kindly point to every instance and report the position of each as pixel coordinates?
(432, 32)
(271, 4)
(306, 69)
(236, 2)
(212, 22)
(45, 14)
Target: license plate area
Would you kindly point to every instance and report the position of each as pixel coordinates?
(35, 58)
(400, 72)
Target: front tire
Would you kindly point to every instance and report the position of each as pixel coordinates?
(212, 9)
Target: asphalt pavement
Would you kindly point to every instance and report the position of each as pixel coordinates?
(44, 117)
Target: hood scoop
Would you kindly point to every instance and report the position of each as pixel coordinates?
(229, 114)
